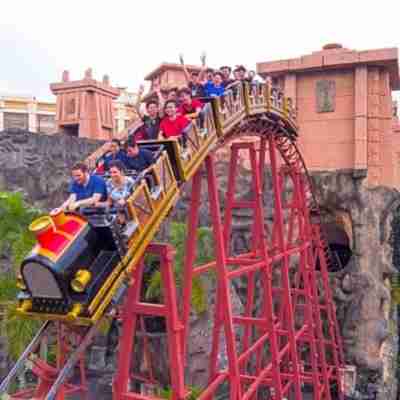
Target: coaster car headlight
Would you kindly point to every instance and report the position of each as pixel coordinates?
(81, 280)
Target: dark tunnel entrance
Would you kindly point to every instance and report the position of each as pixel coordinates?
(339, 245)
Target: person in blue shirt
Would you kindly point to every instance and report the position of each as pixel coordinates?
(137, 159)
(85, 189)
(115, 153)
(216, 87)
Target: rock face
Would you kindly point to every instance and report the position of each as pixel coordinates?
(40, 164)
(367, 315)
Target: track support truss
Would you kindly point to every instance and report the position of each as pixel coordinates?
(284, 344)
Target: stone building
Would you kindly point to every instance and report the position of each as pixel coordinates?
(29, 113)
(345, 108)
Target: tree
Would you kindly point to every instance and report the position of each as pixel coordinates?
(15, 242)
(205, 253)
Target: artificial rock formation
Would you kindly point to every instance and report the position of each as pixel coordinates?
(39, 165)
(367, 315)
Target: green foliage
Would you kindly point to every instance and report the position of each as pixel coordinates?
(205, 253)
(15, 217)
(195, 393)
(15, 239)
(19, 332)
(8, 288)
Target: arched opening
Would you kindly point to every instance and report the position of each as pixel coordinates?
(338, 232)
(339, 244)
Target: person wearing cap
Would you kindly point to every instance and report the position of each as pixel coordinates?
(137, 159)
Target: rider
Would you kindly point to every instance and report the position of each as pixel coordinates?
(226, 72)
(119, 188)
(191, 108)
(151, 121)
(216, 87)
(173, 124)
(193, 79)
(115, 153)
(85, 189)
(137, 159)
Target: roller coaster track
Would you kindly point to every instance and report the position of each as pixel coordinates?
(265, 113)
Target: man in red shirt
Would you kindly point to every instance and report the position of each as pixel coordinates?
(191, 108)
(173, 124)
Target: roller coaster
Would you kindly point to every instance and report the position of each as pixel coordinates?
(86, 267)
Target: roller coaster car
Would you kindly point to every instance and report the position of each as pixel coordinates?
(81, 260)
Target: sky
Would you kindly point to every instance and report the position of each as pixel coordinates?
(128, 39)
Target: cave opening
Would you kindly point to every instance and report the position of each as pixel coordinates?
(339, 244)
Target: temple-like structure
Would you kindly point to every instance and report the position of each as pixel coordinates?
(345, 109)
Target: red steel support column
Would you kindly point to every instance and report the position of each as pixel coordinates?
(304, 270)
(223, 293)
(334, 341)
(266, 273)
(133, 308)
(314, 293)
(230, 199)
(174, 326)
(278, 217)
(126, 344)
(190, 257)
(318, 322)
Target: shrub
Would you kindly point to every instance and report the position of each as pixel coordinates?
(205, 253)
(15, 217)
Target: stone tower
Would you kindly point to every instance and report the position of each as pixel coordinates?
(84, 107)
(345, 112)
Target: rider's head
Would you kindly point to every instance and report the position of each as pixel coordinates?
(115, 145)
(152, 108)
(170, 108)
(117, 169)
(132, 148)
(80, 173)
